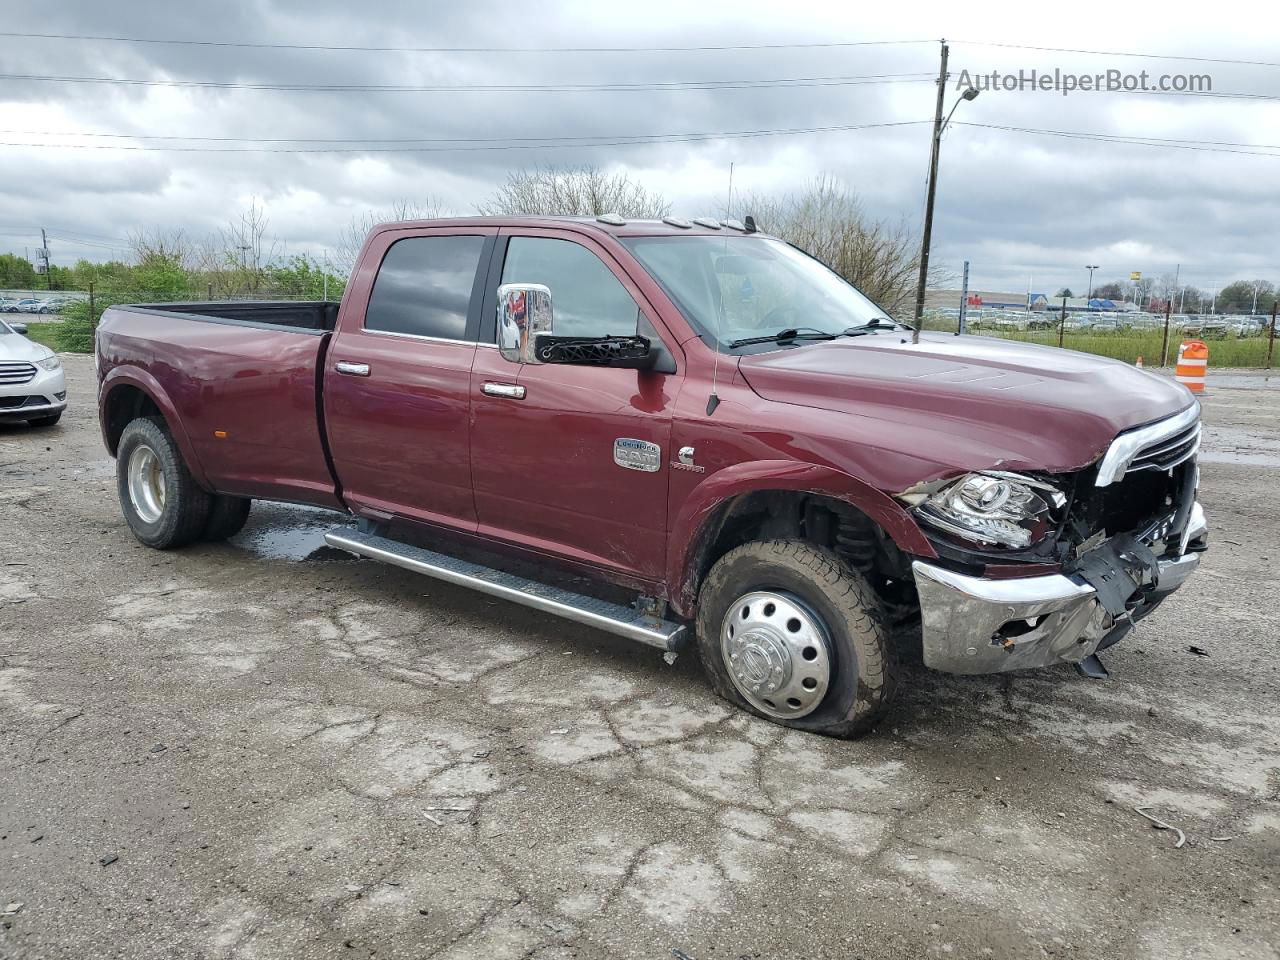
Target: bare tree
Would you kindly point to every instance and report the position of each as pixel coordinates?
(826, 219)
(246, 249)
(169, 245)
(575, 192)
(347, 249)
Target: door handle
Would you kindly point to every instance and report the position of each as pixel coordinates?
(509, 390)
(352, 369)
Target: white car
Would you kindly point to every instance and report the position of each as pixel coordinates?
(32, 384)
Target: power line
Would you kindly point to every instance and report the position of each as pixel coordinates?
(739, 84)
(530, 143)
(1169, 144)
(568, 139)
(373, 49)
(1118, 53)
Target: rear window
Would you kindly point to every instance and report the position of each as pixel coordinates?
(424, 286)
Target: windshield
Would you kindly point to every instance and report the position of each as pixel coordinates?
(734, 288)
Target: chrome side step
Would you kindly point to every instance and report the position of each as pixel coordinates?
(614, 618)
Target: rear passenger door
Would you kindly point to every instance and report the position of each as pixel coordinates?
(397, 378)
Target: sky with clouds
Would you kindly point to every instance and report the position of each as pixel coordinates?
(1017, 205)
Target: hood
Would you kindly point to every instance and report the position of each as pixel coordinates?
(970, 402)
(14, 346)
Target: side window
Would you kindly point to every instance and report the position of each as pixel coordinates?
(424, 287)
(587, 298)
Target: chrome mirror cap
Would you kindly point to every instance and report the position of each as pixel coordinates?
(524, 311)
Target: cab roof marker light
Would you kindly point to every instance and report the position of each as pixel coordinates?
(709, 222)
(733, 225)
(612, 219)
(677, 222)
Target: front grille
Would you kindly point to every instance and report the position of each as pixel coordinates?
(16, 371)
(8, 403)
(1168, 453)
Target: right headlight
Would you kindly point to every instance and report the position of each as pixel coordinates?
(51, 362)
(996, 508)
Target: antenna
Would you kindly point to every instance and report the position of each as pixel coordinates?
(713, 400)
(728, 210)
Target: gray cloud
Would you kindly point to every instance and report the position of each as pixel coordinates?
(1012, 204)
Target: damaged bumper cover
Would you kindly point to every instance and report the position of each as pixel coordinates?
(977, 625)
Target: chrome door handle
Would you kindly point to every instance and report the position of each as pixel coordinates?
(352, 369)
(509, 390)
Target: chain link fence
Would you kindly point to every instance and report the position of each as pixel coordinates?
(1233, 341)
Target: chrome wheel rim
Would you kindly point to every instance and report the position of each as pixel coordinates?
(146, 483)
(777, 653)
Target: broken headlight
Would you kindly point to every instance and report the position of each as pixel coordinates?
(996, 508)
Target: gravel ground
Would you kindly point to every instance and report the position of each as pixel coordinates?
(256, 750)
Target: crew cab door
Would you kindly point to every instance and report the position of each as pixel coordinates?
(398, 375)
(547, 439)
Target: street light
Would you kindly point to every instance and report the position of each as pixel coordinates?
(1090, 267)
(939, 125)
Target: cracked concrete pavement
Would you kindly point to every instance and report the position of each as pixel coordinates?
(261, 750)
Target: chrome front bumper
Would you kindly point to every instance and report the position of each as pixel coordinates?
(976, 625)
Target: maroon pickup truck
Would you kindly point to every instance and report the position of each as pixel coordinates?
(736, 448)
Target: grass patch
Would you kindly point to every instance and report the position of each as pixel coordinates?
(43, 333)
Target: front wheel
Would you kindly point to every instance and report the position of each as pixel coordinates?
(162, 503)
(789, 632)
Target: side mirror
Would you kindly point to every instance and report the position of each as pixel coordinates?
(19, 328)
(524, 311)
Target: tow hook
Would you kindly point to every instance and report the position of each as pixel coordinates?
(1092, 668)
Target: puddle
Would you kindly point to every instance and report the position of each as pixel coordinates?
(281, 532)
(1225, 444)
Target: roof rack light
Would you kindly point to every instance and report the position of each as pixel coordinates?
(612, 219)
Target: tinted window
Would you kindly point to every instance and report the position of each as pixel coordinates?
(587, 298)
(424, 287)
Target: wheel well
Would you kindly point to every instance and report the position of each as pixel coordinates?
(125, 404)
(823, 521)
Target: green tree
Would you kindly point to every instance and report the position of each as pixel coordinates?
(16, 272)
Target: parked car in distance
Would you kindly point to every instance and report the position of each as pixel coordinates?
(29, 305)
(54, 304)
(732, 444)
(8, 305)
(33, 386)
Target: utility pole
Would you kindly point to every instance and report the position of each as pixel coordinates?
(964, 301)
(44, 255)
(1090, 267)
(1164, 349)
(1271, 340)
(933, 187)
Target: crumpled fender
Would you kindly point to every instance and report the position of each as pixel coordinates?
(691, 524)
(128, 375)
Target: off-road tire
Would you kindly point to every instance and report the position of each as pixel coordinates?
(863, 669)
(227, 516)
(186, 506)
(48, 421)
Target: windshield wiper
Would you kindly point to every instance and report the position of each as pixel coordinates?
(879, 323)
(791, 333)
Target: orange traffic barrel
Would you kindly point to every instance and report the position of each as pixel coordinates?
(1193, 364)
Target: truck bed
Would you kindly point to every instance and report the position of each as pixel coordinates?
(242, 380)
(318, 316)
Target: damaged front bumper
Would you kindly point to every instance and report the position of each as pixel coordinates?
(978, 625)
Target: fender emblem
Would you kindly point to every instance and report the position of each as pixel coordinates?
(637, 455)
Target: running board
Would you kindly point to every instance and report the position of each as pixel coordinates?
(612, 617)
